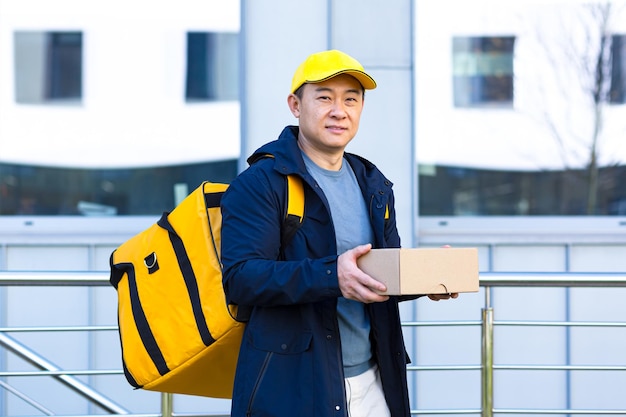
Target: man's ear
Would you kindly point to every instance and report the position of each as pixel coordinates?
(294, 105)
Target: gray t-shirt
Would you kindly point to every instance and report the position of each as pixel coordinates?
(352, 228)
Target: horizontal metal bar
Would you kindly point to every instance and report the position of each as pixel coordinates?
(487, 279)
(199, 415)
(560, 323)
(404, 324)
(515, 368)
(109, 415)
(58, 329)
(560, 367)
(54, 278)
(537, 323)
(553, 279)
(443, 367)
(141, 415)
(64, 372)
(441, 323)
(556, 411)
(453, 411)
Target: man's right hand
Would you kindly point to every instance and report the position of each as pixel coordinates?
(356, 284)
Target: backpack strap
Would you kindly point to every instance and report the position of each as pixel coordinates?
(295, 203)
(295, 197)
(295, 209)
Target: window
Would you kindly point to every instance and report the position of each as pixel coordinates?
(617, 93)
(482, 71)
(212, 66)
(34, 190)
(462, 191)
(48, 67)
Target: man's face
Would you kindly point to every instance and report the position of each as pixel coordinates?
(329, 113)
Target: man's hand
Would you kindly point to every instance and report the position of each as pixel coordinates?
(356, 284)
(437, 297)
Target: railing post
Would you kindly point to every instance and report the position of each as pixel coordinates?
(487, 358)
(167, 404)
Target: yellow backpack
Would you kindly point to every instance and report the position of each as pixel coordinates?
(177, 333)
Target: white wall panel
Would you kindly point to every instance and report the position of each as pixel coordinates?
(379, 34)
(47, 258)
(527, 258)
(598, 258)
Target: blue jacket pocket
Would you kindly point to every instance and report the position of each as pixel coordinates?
(282, 342)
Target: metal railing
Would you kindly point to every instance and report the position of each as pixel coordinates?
(487, 324)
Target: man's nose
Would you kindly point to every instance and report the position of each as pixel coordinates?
(338, 110)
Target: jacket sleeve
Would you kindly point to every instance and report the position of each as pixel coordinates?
(253, 275)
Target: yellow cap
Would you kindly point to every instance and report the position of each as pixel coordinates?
(321, 66)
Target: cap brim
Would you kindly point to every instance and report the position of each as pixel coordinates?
(363, 78)
(366, 81)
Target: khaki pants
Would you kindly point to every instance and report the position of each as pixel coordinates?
(364, 394)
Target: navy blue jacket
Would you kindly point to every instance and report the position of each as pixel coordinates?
(290, 360)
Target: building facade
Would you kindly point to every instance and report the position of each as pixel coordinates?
(110, 112)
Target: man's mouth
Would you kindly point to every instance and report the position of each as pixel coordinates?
(336, 128)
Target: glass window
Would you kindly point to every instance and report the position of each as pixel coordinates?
(33, 190)
(212, 66)
(618, 69)
(48, 67)
(482, 70)
(457, 191)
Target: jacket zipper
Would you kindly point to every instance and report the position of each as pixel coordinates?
(344, 402)
(258, 382)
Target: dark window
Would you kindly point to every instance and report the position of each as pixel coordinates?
(34, 190)
(617, 93)
(212, 66)
(482, 71)
(48, 67)
(457, 191)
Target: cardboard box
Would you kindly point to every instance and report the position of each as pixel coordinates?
(423, 270)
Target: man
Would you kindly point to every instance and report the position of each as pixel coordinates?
(321, 339)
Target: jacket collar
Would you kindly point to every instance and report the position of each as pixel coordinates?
(284, 150)
(288, 158)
